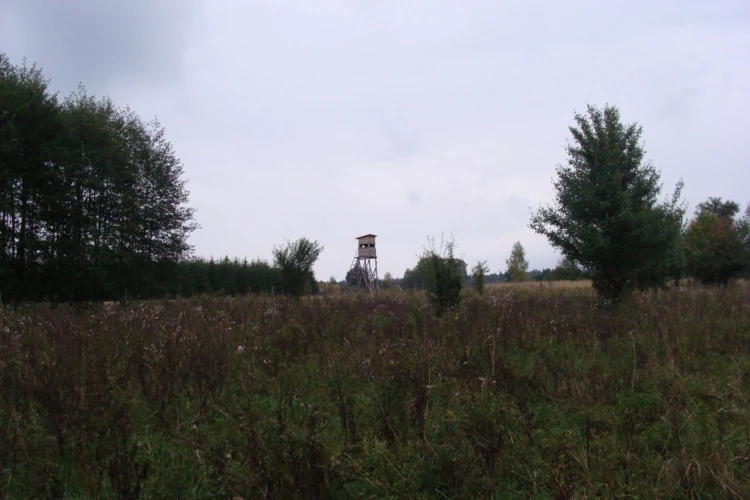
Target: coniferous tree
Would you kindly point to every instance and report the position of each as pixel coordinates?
(478, 273)
(444, 273)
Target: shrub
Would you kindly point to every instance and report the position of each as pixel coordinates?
(444, 275)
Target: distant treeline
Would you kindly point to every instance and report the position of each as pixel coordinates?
(223, 276)
(417, 277)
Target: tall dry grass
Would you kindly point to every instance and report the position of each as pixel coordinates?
(520, 393)
(539, 285)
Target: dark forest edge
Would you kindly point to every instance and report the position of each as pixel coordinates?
(93, 207)
(93, 203)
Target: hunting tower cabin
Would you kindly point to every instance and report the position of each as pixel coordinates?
(363, 273)
(366, 247)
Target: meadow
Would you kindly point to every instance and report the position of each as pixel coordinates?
(527, 392)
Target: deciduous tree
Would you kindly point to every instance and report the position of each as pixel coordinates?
(92, 199)
(295, 259)
(607, 216)
(518, 266)
(715, 250)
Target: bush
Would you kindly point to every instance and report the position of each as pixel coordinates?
(295, 260)
(478, 273)
(714, 250)
(444, 275)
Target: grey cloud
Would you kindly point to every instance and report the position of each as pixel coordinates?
(101, 43)
(400, 145)
(414, 199)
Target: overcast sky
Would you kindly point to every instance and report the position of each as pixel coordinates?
(335, 118)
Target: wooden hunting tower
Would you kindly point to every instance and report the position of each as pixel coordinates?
(364, 270)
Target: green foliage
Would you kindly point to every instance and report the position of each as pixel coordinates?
(714, 248)
(92, 200)
(518, 266)
(444, 275)
(418, 277)
(387, 281)
(724, 210)
(669, 265)
(295, 260)
(676, 263)
(478, 274)
(512, 395)
(606, 216)
(566, 270)
(222, 277)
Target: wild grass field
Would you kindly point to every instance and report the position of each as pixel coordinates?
(519, 394)
(539, 285)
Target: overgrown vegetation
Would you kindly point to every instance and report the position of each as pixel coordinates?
(444, 275)
(512, 395)
(295, 260)
(478, 274)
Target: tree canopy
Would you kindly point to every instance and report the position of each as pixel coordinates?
(715, 243)
(566, 270)
(92, 198)
(607, 216)
(518, 266)
(444, 273)
(295, 259)
(418, 276)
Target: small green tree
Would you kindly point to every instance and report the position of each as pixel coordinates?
(443, 274)
(607, 217)
(387, 281)
(295, 261)
(566, 270)
(478, 273)
(518, 266)
(715, 250)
